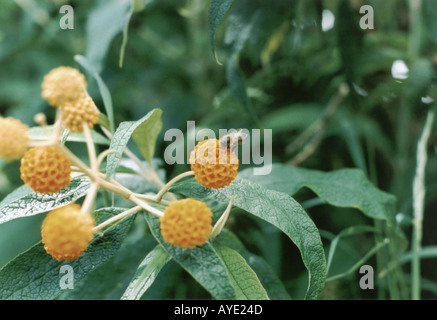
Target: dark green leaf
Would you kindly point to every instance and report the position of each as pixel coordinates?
(244, 280)
(278, 209)
(122, 267)
(272, 284)
(202, 262)
(217, 10)
(36, 275)
(341, 188)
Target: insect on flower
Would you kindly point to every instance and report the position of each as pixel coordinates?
(234, 139)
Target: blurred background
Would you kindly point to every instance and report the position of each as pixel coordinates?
(275, 64)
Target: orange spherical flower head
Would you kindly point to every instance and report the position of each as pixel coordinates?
(66, 232)
(79, 111)
(45, 169)
(13, 138)
(186, 223)
(214, 165)
(62, 85)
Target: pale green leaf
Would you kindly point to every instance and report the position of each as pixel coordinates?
(138, 5)
(107, 19)
(146, 273)
(144, 132)
(39, 133)
(23, 202)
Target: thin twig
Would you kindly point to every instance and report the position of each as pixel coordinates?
(170, 183)
(122, 215)
(418, 205)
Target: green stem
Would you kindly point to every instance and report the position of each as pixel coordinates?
(418, 205)
(170, 183)
(415, 36)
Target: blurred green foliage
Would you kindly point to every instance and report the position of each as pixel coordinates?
(274, 64)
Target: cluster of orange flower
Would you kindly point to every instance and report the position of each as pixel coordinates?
(67, 231)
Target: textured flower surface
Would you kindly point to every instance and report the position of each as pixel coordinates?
(66, 232)
(45, 169)
(13, 138)
(79, 111)
(186, 223)
(63, 85)
(214, 166)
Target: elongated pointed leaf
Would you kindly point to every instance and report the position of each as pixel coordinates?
(107, 19)
(271, 283)
(217, 10)
(143, 131)
(202, 262)
(23, 202)
(343, 188)
(277, 208)
(244, 280)
(36, 275)
(347, 188)
(146, 273)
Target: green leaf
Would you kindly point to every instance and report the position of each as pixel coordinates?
(295, 117)
(23, 202)
(146, 273)
(144, 132)
(35, 275)
(244, 280)
(238, 33)
(201, 262)
(342, 188)
(39, 133)
(138, 5)
(271, 283)
(107, 19)
(346, 188)
(104, 91)
(97, 285)
(217, 10)
(278, 209)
